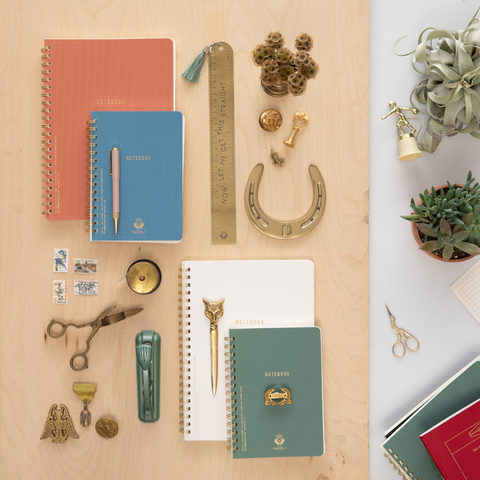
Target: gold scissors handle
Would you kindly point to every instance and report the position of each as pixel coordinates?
(403, 337)
(96, 325)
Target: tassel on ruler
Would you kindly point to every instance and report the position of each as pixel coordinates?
(192, 73)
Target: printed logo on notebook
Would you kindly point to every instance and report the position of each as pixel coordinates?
(138, 224)
(475, 431)
(279, 441)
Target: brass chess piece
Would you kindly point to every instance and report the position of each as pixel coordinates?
(407, 143)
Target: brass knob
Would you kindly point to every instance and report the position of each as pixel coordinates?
(296, 128)
(270, 120)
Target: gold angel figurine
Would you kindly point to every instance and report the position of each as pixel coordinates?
(407, 143)
(59, 425)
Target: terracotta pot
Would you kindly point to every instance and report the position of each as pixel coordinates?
(417, 238)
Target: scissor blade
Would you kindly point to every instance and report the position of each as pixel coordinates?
(118, 317)
(130, 313)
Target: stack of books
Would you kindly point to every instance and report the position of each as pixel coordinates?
(271, 346)
(441, 435)
(113, 93)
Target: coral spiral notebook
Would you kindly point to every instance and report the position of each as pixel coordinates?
(80, 76)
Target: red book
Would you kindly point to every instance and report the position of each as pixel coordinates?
(454, 444)
(84, 75)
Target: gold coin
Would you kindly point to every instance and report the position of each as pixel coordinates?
(106, 428)
(270, 120)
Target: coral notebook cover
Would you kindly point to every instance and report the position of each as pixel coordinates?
(84, 75)
(454, 444)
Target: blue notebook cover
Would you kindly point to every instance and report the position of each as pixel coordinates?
(151, 176)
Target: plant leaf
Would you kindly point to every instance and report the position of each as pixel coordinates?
(425, 229)
(445, 227)
(447, 252)
(469, 248)
(429, 246)
(459, 236)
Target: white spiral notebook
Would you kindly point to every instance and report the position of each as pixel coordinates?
(257, 293)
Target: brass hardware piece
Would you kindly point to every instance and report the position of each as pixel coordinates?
(277, 159)
(59, 425)
(270, 120)
(214, 312)
(290, 229)
(403, 337)
(85, 392)
(282, 394)
(296, 128)
(143, 277)
(106, 428)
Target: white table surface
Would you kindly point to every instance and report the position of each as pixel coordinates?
(414, 286)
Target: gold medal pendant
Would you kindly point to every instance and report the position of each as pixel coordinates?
(85, 392)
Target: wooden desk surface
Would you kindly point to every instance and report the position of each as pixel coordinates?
(34, 369)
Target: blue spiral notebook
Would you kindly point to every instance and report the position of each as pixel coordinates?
(151, 176)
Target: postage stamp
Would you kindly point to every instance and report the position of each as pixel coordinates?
(60, 260)
(84, 265)
(85, 287)
(60, 291)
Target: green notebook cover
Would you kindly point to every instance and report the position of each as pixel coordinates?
(404, 448)
(273, 358)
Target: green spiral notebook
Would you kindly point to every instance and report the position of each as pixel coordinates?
(276, 365)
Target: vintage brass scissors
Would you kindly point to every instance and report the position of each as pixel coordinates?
(403, 337)
(103, 320)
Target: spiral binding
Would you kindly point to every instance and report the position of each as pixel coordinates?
(92, 176)
(230, 393)
(46, 133)
(184, 347)
(398, 465)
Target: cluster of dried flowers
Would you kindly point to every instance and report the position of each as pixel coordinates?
(282, 66)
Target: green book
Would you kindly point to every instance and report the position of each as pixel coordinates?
(281, 367)
(404, 449)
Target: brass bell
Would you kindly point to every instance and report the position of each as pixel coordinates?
(296, 128)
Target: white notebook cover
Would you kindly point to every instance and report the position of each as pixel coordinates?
(257, 293)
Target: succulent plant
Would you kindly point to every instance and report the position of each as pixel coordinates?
(451, 204)
(447, 239)
(472, 221)
(280, 66)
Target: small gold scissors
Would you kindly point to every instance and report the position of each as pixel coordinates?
(403, 337)
(103, 320)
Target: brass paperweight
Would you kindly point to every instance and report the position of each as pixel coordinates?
(270, 120)
(144, 277)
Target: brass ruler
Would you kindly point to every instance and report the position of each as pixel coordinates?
(222, 145)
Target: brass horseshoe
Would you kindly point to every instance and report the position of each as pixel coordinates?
(285, 230)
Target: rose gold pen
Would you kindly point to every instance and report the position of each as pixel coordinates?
(115, 174)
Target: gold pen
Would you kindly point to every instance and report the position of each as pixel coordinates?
(115, 174)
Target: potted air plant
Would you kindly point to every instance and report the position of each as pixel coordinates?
(446, 221)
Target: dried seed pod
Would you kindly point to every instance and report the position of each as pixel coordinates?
(304, 42)
(275, 40)
(284, 71)
(283, 55)
(270, 65)
(311, 69)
